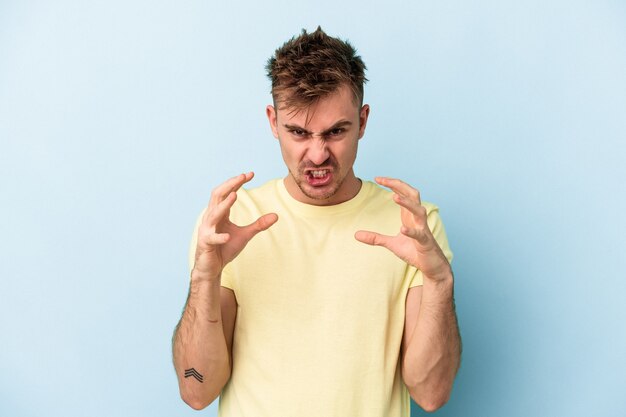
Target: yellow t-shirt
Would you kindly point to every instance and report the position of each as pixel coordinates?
(320, 315)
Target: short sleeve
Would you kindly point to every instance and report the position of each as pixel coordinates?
(437, 229)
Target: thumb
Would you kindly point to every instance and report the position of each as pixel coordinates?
(262, 223)
(372, 238)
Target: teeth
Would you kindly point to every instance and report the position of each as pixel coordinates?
(319, 173)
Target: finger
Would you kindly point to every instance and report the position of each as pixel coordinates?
(212, 239)
(262, 223)
(266, 221)
(217, 238)
(399, 187)
(414, 207)
(218, 212)
(418, 234)
(233, 184)
(372, 238)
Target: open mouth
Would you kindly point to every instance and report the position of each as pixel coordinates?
(318, 177)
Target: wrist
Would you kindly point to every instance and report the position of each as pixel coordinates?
(442, 283)
(201, 277)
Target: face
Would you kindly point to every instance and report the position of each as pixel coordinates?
(319, 146)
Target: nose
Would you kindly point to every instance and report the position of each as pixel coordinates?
(318, 151)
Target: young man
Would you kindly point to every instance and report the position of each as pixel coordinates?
(343, 306)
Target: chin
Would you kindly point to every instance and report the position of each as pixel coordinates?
(317, 193)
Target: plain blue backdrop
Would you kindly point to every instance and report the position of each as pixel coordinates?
(117, 118)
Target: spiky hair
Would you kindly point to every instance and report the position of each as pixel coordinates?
(314, 65)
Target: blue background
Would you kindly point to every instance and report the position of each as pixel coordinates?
(117, 118)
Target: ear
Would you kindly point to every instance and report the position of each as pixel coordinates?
(365, 112)
(272, 118)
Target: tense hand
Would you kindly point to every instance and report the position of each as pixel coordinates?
(414, 243)
(220, 240)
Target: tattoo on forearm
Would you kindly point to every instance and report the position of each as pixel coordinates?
(192, 372)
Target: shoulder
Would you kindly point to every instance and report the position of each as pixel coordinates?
(266, 190)
(383, 197)
(259, 195)
(252, 202)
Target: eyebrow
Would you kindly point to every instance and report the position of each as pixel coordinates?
(339, 124)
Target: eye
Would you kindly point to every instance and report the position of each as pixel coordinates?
(335, 133)
(298, 132)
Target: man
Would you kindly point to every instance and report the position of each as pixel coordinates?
(343, 306)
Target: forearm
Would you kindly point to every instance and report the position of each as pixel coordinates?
(433, 351)
(199, 344)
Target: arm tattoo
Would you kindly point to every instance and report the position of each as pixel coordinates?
(192, 372)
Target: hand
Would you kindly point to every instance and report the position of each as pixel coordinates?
(414, 244)
(220, 240)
